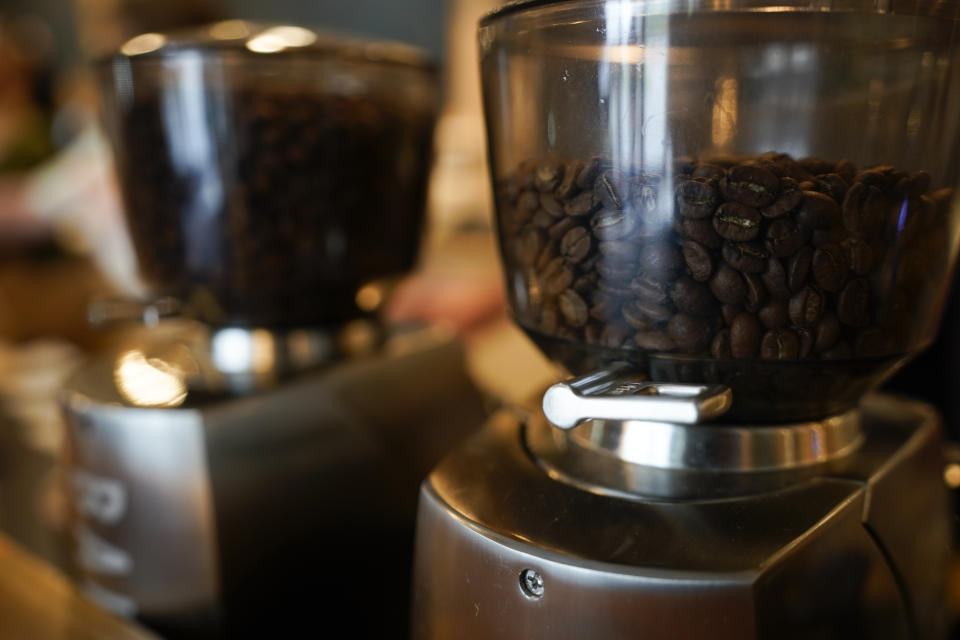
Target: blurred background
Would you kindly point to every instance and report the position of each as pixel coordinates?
(63, 243)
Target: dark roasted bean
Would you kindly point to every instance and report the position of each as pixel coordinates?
(575, 244)
(655, 311)
(774, 314)
(654, 341)
(568, 186)
(806, 307)
(727, 285)
(611, 225)
(610, 188)
(580, 205)
(532, 242)
(729, 312)
(859, 255)
(853, 303)
(818, 211)
(548, 175)
(701, 231)
(798, 268)
(690, 296)
(736, 222)
(613, 335)
(589, 173)
(557, 277)
(826, 333)
(745, 335)
(660, 259)
(650, 288)
(751, 185)
(832, 185)
(775, 279)
(788, 200)
(697, 198)
(528, 201)
(690, 334)
(550, 204)
(720, 346)
(784, 237)
(863, 207)
(830, 268)
(542, 219)
(748, 257)
(633, 315)
(822, 237)
(756, 292)
(708, 171)
(698, 260)
(573, 308)
(780, 344)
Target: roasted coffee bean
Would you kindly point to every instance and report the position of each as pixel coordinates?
(774, 279)
(611, 225)
(692, 297)
(532, 242)
(913, 186)
(585, 284)
(736, 222)
(863, 207)
(697, 199)
(560, 228)
(615, 271)
(798, 268)
(729, 312)
(529, 201)
(818, 211)
(859, 255)
(720, 346)
(568, 186)
(575, 244)
(846, 170)
(784, 237)
(708, 171)
(751, 185)
(700, 231)
(617, 251)
(589, 173)
(780, 344)
(581, 205)
(816, 166)
(853, 303)
(727, 285)
(774, 314)
(689, 333)
(756, 292)
(557, 277)
(610, 188)
(788, 200)
(822, 237)
(604, 308)
(806, 307)
(748, 257)
(745, 335)
(614, 335)
(806, 339)
(832, 185)
(830, 268)
(551, 205)
(876, 177)
(650, 288)
(659, 312)
(660, 259)
(542, 220)
(654, 341)
(573, 308)
(826, 333)
(548, 175)
(633, 315)
(698, 260)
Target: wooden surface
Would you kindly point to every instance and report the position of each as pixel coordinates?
(38, 603)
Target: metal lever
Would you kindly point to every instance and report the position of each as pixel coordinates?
(612, 395)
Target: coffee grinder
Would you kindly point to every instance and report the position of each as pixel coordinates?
(246, 463)
(730, 223)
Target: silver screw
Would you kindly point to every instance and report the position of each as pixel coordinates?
(531, 583)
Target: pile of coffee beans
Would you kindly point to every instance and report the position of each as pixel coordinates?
(269, 206)
(762, 257)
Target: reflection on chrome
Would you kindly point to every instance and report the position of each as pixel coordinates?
(144, 43)
(149, 382)
(279, 38)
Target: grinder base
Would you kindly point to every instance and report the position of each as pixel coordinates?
(506, 549)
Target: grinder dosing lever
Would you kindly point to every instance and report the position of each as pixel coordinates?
(616, 394)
